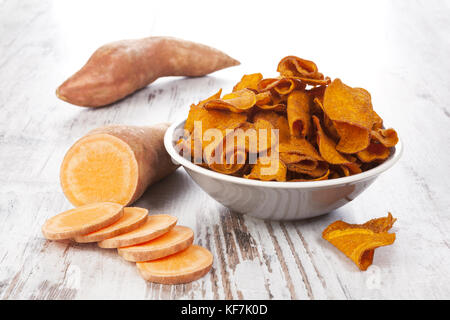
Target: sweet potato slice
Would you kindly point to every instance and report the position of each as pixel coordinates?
(115, 164)
(177, 239)
(81, 220)
(155, 226)
(185, 266)
(133, 218)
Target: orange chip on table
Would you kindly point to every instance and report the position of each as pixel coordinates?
(299, 113)
(359, 241)
(248, 81)
(351, 111)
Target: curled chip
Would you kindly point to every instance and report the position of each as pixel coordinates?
(299, 113)
(309, 127)
(248, 81)
(387, 137)
(291, 66)
(319, 170)
(350, 109)
(327, 146)
(264, 98)
(237, 102)
(359, 241)
(282, 86)
(375, 151)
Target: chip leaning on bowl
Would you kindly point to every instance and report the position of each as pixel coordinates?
(311, 127)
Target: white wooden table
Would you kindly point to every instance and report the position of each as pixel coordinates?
(398, 50)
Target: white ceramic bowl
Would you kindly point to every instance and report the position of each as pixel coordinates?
(278, 200)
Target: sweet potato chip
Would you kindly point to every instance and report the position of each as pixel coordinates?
(282, 86)
(327, 147)
(230, 167)
(387, 137)
(263, 98)
(314, 82)
(299, 113)
(292, 66)
(350, 109)
(324, 177)
(239, 101)
(289, 158)
(319, 170)
(248, 81)
(377, 122)
(375, 151)
(359, 241)
(268, 169)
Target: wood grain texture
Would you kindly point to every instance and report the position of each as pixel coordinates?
(397, 50)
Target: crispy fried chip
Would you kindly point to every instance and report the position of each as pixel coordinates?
(319, 170)
(327, 147)
(238, 101)
(292, 66)
(387, 137)
(359, 241)
(263, 98)
(324, 177)
(230, 167)
(314, 82)
(280, 85)
(350, 109)
(248, 81)
(299, 113)
(268, 169)
(375, 151)
(377, 122)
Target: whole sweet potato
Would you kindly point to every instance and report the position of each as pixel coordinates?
(118, 69)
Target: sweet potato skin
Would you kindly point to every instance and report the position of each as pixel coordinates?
(147, 143)
(118, 69)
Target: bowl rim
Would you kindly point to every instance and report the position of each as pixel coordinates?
(169, 145)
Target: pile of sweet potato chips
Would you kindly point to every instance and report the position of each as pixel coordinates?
(310, 127)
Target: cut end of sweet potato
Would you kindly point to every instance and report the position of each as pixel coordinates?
(133, 218)
(185, 266)
(82, 220)
(176, 240)
(155, 226)
(98, 168)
